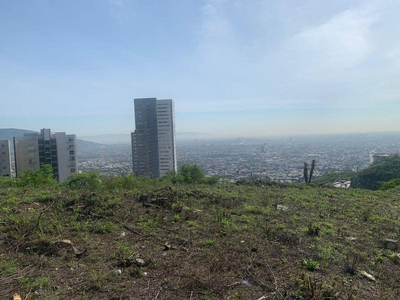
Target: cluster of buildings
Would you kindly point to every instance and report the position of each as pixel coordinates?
(32, 150)
(153, 145)
(152, 152)
(282, 158)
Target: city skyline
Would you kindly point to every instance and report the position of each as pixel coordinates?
(265, 68)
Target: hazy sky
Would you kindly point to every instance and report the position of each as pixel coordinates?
(234, 68)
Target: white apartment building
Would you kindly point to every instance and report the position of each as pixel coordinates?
(56, 149)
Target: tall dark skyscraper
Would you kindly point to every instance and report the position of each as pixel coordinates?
(153, 141)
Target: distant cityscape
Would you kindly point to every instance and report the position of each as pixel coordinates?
(153, 151)
(279, 159)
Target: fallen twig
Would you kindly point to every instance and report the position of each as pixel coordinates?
(131, 230)
(275, 282)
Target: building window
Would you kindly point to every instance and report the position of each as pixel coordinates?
(71, 152)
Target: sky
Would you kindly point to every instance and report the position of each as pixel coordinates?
(233, 67)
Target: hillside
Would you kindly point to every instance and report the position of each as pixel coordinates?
(196, 241)
(375, 175)
(9, 133)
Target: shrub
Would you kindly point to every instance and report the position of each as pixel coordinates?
(6, 182)
(390, 184)
(90, 181)
(41, 177)
(310, 264)
(190, 174)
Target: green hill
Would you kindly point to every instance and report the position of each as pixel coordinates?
(331, 178)
(374, 176)
(95, 239)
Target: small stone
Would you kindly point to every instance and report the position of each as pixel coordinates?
(395, 257)
(167, 246)
(281, 207)
(140, 262)
(369, 276)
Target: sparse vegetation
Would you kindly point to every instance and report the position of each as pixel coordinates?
(195, 240)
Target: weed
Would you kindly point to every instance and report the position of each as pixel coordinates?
(37, 283)
(310, 264)
(351, 263)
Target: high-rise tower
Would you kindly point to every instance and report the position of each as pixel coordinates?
(5, 158)
(153, 141)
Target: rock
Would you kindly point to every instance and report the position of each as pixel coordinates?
(281, 207)
(245, 282)
(391, 244)
(145, 199)
(395, 257)
(167, 247)
(16, 297)
(140, 262)
(369, 276)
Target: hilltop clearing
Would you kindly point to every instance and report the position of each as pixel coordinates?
(97, 240)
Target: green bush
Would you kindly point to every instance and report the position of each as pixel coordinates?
(190, 174)
(6, 182)
(310, 264)
(41, 177)
(90, 181)
(390, 184)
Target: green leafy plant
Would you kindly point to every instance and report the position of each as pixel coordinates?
(310, 264)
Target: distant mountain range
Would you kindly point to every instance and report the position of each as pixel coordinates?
(9, 133)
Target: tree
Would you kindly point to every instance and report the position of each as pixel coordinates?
(190, 174)
(307, 178)
(312, 170)
(305, 172)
